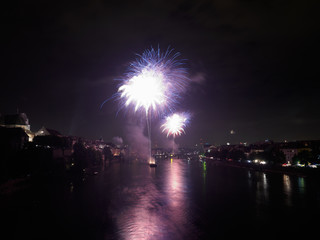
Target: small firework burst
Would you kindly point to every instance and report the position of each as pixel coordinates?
(175, 124)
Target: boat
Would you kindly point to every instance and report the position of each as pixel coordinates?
(153, 165)
(152, 162)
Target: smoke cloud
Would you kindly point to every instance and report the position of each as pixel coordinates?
(139, 143)
(199, 78)
(171, 145)
(117, 140)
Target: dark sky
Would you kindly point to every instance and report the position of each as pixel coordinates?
(254, 65)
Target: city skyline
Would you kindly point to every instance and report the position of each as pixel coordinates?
(250, 64)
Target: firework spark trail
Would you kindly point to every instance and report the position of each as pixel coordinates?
(174, 124)
(149, 134)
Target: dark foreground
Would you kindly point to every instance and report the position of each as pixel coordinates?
(178, 199)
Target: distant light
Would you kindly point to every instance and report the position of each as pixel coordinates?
(288, 164)
(152, 160)
(228, 143)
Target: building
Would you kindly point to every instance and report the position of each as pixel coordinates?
(291, 152)
(59, 145)
(12, 139)
(47, 132)
(19, 120)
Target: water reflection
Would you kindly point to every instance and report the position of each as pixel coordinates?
(175, 181)
(138, 218)
(176, 196)
(301, 185)
(156, 210)
(177, 200)
(287, 189)
(262, 193)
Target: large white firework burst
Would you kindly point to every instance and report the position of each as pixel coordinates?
(154, 82)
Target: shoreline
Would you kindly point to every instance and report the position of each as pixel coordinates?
(295, 171)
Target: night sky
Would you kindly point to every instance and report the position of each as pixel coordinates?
(253, 65)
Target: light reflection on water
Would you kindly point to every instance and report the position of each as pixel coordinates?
(179, 199)
(293, 187)
(190, 200)
(262, 187)
(183, 199)
(141, 220)
(156, 210)
(287, 189)
(301, 183)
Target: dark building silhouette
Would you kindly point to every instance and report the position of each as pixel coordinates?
(19, 120)
(12, 139)
(47, 132)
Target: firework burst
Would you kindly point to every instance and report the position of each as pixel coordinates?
(154, 82)
(174, 125)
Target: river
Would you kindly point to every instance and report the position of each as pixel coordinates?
(179, 199)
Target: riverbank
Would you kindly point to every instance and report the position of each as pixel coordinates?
(296, 171)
